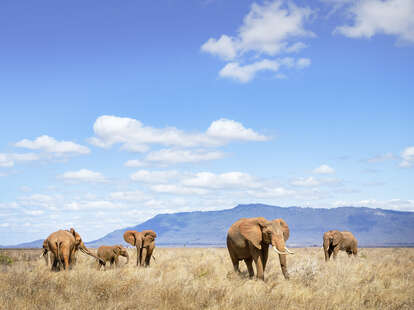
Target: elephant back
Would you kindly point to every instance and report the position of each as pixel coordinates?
(130, 237)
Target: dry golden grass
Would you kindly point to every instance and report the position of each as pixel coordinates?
(188, 278)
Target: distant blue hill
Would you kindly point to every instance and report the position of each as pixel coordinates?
(372, 227)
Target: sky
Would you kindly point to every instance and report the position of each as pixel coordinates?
(111, 113)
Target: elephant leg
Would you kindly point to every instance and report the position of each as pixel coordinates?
(327, 254)
(112, 261)
(235, 262)
(258, 260)
(283, 266)
(55, 263)
(138, 255)
(249, 264)
(265, 254)
(116, 261)
(66, 262)
(148, 258)
(143, 256)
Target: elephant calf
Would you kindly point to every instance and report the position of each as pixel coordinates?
(111, 254)
(334, 241)
(144, 241)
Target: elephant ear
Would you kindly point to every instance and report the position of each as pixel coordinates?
(337, 237)
(130, 236)
(78, 239)
(251, 229)
(284, 227)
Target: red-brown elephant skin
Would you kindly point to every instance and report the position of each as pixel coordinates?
(248, 239)
(335, 241)
(62, 246)
(144, 241)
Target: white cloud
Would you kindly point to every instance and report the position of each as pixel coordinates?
(246, 73)
(303, 63)
(135, 163)
(408, 157)
(5, 161)
(130, 132)
(129, 196)
(271, 192)
(50, 145)
(269, 29)
(372, 17)
(182, 156)
(146, 176)
(178, 189)
(87, 205)
(310, 181)
(266, 29)
(83, 175)
(39, 200)
(324, 169)
(233, 179)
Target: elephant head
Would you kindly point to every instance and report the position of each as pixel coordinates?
(331, 238)
(140, 239)
(260, 231)
(120, 250)
(79, 245)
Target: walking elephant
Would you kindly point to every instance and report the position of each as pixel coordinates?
(248, 239)
(334, 241)
(111, 254)
(63, 246)
(144, 241)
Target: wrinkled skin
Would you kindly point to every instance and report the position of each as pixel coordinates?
(111, 254)
(144, 241)
(248, 239)
(62, 246)
(335, 241)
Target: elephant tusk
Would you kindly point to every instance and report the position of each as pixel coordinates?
(278, 252)
(289, 251)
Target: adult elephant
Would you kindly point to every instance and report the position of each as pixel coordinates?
(144, 241)
(334, 241)
(248, 239)
(111, 254)
(63, 245)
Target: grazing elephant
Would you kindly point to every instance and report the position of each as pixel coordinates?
(248, 239)
(144, 242)
(63, 245)
(335, 240)
(111, 254)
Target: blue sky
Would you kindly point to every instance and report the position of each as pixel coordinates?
(111, 114)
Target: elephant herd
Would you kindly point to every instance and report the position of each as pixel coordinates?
(62, 246)
(248, 239)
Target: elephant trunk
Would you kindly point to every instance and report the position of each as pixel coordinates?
(326, 245)
(87, 252)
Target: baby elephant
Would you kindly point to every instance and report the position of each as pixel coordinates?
(111, 254)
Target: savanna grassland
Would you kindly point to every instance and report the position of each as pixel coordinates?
(203, 278)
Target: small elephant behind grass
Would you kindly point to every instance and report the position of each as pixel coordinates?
(335, 241)
(111, 254)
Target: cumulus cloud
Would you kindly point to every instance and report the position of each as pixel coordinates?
(312, 182)
(8, 160)
(147, 176)
(267, 30)
(271, 192)
(87, 205)
(135, 163)
(130, 132)
(408, 157)
(182, 156)
(83, 175)
(136, 195)
(178, 189)
(372, 17)
(324, 169)
(233, 179)
(50, 145)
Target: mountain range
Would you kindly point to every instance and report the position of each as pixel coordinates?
(372, 227)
